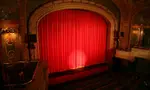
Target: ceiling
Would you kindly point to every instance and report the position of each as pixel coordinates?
(6, 4)
(142, 17)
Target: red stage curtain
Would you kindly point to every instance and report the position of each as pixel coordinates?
(71, 39)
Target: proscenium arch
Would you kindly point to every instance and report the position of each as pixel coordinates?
(90, 6)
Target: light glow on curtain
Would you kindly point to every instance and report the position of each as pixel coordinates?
(71, 39)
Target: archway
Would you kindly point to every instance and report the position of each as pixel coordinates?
(69, 40)
(49, 7)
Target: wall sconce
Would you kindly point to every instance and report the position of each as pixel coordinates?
(7, 30)
(9, 38)
(135, 32)
(9, 35)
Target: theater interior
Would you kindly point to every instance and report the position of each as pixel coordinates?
(75, 45)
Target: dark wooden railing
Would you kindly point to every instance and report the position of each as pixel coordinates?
(24, 75)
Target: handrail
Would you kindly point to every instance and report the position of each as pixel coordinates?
(14, 85)
(22, 62)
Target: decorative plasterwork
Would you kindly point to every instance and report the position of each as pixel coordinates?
(74, 4)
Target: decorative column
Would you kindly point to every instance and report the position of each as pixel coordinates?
(23, 26)
(127, 11)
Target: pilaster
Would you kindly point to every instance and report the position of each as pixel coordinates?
(23, 25)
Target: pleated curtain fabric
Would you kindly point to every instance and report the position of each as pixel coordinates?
(71, 39)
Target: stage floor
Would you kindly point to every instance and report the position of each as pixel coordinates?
(106, 81)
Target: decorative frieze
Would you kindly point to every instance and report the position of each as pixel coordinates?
(48, 5)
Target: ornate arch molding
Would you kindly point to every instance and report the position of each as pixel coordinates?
(74, 4)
